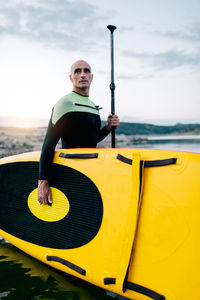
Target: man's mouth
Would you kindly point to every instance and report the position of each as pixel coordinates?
(83, 81)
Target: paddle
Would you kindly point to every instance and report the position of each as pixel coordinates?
(112, 84)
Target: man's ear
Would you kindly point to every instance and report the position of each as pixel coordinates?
(70, 77)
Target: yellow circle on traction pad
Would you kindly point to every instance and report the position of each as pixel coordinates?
(57, 211)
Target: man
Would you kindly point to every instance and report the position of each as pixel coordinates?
(75, 119)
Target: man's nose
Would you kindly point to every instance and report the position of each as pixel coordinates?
(83, 73)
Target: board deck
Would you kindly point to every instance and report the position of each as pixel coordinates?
(126, 220)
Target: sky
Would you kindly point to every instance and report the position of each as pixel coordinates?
(156, 56)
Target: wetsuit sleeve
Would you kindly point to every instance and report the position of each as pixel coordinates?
(103, 133)
(51, 139)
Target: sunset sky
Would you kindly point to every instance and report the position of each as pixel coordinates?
(157, 56)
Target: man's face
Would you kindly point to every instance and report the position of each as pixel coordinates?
(81, 76)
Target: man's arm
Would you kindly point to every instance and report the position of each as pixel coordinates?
(46, 158)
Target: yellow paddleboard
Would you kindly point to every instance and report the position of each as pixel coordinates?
(126, 220)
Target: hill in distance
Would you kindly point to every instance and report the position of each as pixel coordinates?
(125, 128)
(150, 129)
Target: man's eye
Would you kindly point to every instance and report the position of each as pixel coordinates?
(77, 71)
(86, 70)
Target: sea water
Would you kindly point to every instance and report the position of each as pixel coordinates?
(188, 143)
(24, 278)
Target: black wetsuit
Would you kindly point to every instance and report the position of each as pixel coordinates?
(75, 119)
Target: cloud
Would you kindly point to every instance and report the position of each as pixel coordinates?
(65, 23)
(126, 76)
(191, 33)
(171, 59)
(165, 60)
(126, 29)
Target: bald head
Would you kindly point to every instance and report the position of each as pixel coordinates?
(77, 63)
(81, 77)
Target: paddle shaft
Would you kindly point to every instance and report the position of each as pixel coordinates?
(112, 84)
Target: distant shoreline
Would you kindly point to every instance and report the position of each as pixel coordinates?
(15, 140)
(133, 129)
(126, 128)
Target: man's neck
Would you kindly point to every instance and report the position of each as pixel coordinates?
(82, 92)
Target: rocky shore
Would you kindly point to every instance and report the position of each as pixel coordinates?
(15, 140)
(19, 140)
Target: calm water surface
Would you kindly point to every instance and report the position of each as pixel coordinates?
(24, 278)
(177, 143)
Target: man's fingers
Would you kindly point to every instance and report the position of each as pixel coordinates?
(49, 203)
(42, 200)
(50, 200)
(114, 120)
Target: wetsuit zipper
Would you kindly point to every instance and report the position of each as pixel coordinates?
(85, 105)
